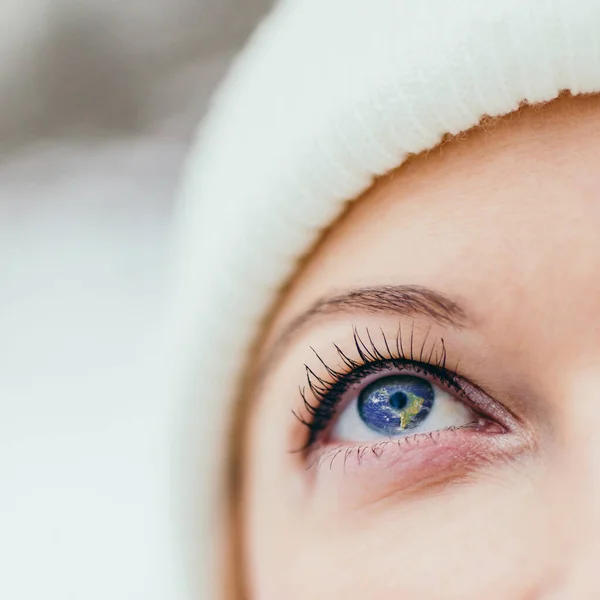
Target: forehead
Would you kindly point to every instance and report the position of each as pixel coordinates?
(502, 218)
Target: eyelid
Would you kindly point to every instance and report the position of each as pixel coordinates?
(430, 361)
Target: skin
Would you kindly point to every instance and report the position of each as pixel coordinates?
(504, 223)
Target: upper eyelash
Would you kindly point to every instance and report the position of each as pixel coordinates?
(327, 394)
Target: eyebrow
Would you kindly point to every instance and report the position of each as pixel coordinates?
(405, 300)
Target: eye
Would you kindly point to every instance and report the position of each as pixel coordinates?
(393, 390)
(396, 406)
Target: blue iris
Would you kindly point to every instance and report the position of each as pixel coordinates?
(394, 404)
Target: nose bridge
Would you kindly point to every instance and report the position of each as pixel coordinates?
(574, 494)
(579, 444)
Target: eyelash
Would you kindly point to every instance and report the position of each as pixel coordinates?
(328, 394)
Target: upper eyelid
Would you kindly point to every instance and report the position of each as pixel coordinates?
(403, 300)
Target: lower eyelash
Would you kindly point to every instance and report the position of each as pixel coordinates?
(327, 394)
(358, 451)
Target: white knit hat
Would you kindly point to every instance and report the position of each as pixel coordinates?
(329, 95)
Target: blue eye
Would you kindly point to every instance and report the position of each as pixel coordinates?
(395, 404)
(398, 405)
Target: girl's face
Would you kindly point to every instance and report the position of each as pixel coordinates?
(425, 417)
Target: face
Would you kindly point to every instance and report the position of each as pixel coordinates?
(425, 418)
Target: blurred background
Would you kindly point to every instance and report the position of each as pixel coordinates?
(99, 102)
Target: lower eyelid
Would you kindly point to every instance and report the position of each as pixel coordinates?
(360, 474)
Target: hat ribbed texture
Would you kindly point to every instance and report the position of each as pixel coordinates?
(327, 96)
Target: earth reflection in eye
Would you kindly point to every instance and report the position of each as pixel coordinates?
(396, 403)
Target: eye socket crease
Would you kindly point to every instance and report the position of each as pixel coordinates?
(405, 300)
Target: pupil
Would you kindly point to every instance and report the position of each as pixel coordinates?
(398, 400)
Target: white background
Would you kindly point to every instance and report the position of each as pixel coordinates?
(99, 101)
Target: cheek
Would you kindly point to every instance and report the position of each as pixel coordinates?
(467, 543)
